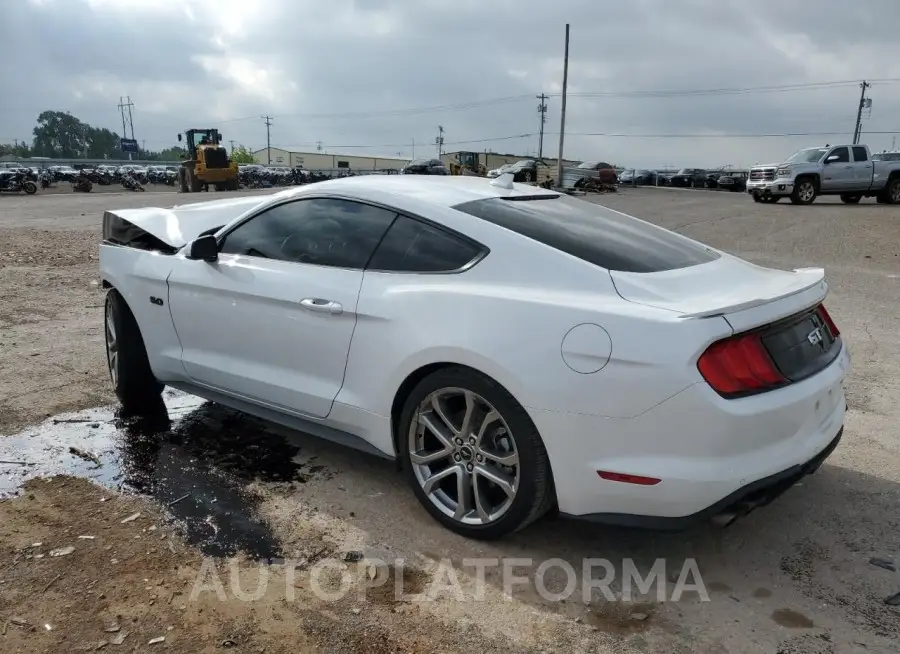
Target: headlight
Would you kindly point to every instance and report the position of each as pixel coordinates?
(783, 172)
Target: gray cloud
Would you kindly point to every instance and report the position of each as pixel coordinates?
(348, 73)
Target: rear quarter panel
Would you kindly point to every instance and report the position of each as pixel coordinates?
(508, 320)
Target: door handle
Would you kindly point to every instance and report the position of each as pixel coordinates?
(321, 306)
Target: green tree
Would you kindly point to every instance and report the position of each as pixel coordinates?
(16, 150)
(242, 155)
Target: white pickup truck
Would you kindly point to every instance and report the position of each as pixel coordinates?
(845, 170)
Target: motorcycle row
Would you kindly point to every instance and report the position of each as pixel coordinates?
(17, 180)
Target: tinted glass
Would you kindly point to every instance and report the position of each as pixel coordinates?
(593, 233)
(842, 154)
(321, 232)
(859, 154)
(413, 246)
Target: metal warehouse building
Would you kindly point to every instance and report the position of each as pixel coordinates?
(323, 161)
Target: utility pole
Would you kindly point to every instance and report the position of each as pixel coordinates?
(562, 112)
(232, 146)
(542, 110)
(439, 140)
(123, 104)
(862, 101)
(318, 146)
(268, 120)
(414, 147)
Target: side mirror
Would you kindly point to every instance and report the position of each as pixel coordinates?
(831, 158)
(179, 138)
(205, 248)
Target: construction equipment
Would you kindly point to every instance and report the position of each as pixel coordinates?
(467, 163)
(207, 163)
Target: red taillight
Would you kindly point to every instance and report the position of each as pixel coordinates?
(823, 314)
(739, 364)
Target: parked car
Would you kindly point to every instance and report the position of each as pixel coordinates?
(733, 182)
(425, 167)
(845, 170)
(689, 177)
(715, 383)
(886, 156)
(638, 177)
(712, 178)
(524, 171)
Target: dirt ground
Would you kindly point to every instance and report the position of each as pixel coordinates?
(794, 578)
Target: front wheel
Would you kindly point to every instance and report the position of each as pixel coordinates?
(126, 358)
(30, 188)
(756, 197)
(892, 191)
(474, 458)
(692, 183)
(805, 192)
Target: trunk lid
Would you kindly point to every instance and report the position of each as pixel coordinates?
(746, 295)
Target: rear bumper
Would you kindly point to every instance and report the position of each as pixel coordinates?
(738, 504)
(708, 452)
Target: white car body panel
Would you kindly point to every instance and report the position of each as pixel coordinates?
(234, 330)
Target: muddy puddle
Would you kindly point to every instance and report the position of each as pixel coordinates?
(193, 457)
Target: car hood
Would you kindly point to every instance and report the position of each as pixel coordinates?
(182, 223)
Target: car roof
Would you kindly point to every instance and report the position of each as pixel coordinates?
(444, 191)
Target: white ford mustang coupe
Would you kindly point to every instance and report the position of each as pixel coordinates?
(518, 350)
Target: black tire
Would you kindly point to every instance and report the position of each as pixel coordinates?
(692, 184)
(851, 198)
(892, 191)
(133, 381)
(535, 495)
(756, 197)
(527, 176)
(30, 188)
(805, 191)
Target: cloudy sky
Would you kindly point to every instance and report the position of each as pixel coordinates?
(646, 77)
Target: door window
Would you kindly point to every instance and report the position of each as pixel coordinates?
(321, 231)
(859, 153)
(843, 155)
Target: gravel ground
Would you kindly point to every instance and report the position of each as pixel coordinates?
(794, 577)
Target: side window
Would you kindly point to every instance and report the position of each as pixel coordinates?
(843, 155)
(322, 232)
(413, 246)
(859, 153)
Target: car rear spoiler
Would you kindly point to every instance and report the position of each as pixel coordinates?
(808, 278)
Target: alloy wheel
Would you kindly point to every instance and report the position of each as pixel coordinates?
(112, 347)
(464, 456)
(806, 191)
(895, 193)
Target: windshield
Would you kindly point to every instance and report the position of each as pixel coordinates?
(809, 155)
(685, 171)
(587, 164)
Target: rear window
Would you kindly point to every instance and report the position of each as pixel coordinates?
(593, 233)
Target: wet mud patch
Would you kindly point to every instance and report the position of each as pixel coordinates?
(621, 617)
(193, 457)
(391, 584)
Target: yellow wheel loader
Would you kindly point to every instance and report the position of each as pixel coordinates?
(207, 164)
